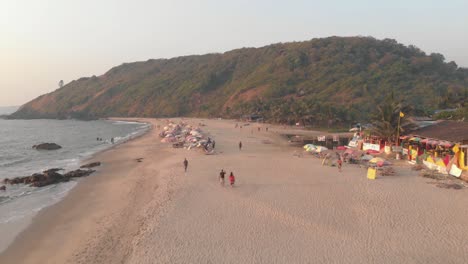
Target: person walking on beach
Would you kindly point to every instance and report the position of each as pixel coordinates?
(221, 177)
(214, 144)
(112, 140)
(185, 164)
(340, 163)
(240, 145)
(232, 179)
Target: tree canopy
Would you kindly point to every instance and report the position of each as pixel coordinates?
(335, 80)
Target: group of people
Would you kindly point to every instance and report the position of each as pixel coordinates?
(222, 174)
(100, 139)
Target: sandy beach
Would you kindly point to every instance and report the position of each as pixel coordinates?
(283, 209)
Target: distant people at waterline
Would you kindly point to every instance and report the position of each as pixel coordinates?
(240, 145)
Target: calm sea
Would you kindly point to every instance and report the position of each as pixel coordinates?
(19, 203)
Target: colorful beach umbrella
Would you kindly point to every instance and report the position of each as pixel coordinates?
(445, 144)
(308, 146)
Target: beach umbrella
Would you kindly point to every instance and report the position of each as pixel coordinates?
(321, 148)
(309, 146)
(354, 129)
(445, 144)
(341, 148)
(416, 139)
(367, 157)
(375, 160)
(425, 141)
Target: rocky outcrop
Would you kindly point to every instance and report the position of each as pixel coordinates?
(91, 165)
(48, 177)
(47, 146)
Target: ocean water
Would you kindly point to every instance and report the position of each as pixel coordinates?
(20, 203)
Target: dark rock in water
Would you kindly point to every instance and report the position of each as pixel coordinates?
(53, 170)
(48, 177)
(78, 173)
(47, 146)
(91, 165)
(3, 188)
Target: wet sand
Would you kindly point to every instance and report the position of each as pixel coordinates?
(283, 209)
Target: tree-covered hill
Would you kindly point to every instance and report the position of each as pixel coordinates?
(336, 78)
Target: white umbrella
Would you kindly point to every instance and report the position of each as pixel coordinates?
(321, 148)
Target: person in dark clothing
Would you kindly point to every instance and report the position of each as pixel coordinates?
(185, 164)
(214, 143)
(112, 140)
(240, 145)
(221, 177)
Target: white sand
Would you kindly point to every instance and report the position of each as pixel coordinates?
(284, 209)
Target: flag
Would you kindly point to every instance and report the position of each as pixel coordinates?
(401, 114)
(456, 148)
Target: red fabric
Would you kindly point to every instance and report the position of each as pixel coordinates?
(446, 160)
(420, 151)
(231, 178)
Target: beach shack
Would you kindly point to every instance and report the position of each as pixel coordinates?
(442, 146)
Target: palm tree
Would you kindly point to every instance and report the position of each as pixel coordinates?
(385, 121)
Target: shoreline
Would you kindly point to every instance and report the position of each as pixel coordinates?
(283, 208)
(27, 223)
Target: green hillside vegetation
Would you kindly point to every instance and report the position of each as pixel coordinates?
(332, 80)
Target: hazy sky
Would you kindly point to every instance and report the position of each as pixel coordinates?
(42, 42)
